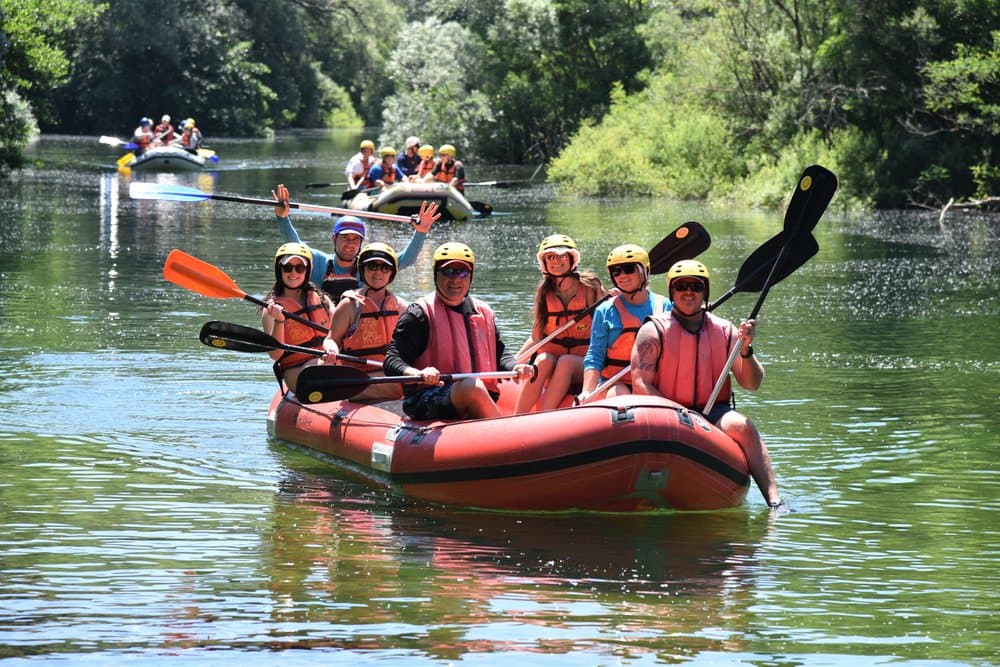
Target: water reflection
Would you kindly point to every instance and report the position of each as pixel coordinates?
(348, 555)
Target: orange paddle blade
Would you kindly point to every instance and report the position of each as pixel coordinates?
(199, 276)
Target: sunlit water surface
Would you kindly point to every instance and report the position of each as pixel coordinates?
(146, 516)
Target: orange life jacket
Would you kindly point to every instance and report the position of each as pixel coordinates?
(372, 332)
(690, 363)
(458, 343)
(619, 354)
(574, 340)
(299, 334)
(425, 167)
(389, 175)
(446, 172)
(366, 165)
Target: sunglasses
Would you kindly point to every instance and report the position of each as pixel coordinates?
(697, 287)
(449, 272)
(556, 256)
(378, 266)
(297, 268)
(628, 269)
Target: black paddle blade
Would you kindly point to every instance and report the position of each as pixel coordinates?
(686, 242)
(482, 208)
(226, 336)
(813, 193)
(757, 267)
(322, 384)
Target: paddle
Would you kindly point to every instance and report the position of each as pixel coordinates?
(757, 267)
(325, 185)
(229, 336)
(184, 193)
(686, 242)
(350, 194)
(497, 184)
(321, 384)
(203, 278)
(813, 193)
(114, 141)
(604, 386)
(481, 208)
(124, 160)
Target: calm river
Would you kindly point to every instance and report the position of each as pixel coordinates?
(145, 515)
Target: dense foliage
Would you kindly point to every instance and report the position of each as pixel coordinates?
(703, 99)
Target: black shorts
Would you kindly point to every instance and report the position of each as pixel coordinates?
(431, 403)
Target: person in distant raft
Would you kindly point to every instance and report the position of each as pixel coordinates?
(680, 354)
(449, 331)
(143, 137)
(427, 162)
(448, 169)
(364, 319)
(359, 165)
(339, 273)
(410, 159)
(386, 172)
(294, 293)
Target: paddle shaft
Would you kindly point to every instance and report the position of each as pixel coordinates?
(236, 333)
(607, 384)
(333, 210)
(415, 379)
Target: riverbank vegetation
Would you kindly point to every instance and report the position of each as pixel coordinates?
(701, 99)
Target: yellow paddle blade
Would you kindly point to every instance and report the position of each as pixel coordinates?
(125, 159)
(200, 277)
(205, 152)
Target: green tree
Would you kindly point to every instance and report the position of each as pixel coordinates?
(33, 37)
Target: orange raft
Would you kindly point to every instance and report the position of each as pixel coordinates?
(622, 454)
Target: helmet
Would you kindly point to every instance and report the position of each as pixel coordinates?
(447, 149)
(453, 251)
(189, 123)
(629, 253)
(145, 120)
(165, 118)
(557, 243)
(688, 268)
(368, 143)
(294, 249)
(374, 252)
(426, 151)
(386, 151)
(412, 141)
(350, 224)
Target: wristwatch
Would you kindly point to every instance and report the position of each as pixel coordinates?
(749, 352)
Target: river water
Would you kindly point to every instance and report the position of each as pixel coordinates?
(145, 516)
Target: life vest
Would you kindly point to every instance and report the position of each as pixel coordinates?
(575, 339)
(446, 172)
(366, 165)
(142, 139)
(165, 133)
(619, 354)
(187, 140)
(389, 175)
(459, 343)
(369, 337)
(425, 167)
(299, 334)
(690, 363)
(335, 284)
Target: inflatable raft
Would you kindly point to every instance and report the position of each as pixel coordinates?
(621, 454)
(171, 158)
(406, 198)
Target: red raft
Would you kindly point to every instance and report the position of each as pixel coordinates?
(621, 454)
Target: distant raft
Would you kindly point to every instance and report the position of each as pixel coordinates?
(406, 198)
(172, 158)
